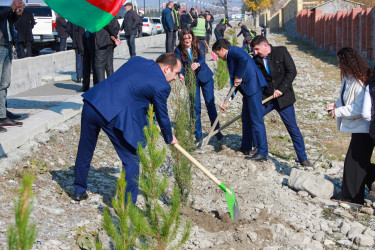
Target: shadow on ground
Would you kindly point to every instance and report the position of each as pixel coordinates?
(101, 181)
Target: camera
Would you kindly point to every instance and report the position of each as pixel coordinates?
(177, 6)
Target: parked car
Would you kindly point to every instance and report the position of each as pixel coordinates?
(158, 24)
(148, 27)
(44, 31)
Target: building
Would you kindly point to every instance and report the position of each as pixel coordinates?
(333, 6)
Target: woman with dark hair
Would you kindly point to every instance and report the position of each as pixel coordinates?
(355, 74)
(191, 53)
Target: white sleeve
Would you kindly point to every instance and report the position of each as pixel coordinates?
(353, 110)
(366, 110)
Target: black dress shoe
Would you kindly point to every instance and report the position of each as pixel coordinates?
(83, 89)
(78, 80)
(244, 151)
(80, 197)
(219, 136)
(258, 157)
(7, 122)
(3, 130)
(306, 163)
(13, 116)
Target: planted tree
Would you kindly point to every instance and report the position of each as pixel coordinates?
(222, 75)
(184, 119)
(22, 234)
(159, 223)
(122, 226)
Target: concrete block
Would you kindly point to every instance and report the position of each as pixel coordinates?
(316, 186)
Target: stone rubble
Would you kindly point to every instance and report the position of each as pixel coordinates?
(273, 215)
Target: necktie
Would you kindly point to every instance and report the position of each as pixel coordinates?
(87, 34)
(266, 64)
(190, 54)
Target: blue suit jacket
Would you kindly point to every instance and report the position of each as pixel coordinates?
(126, 95)
(167, 19)
(203, 73)
(240, 64)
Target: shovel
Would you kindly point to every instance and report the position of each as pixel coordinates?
(229, 193)
(213, 55)
(210, 134)
(235, 119)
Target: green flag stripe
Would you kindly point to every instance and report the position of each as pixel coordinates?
(81, 13)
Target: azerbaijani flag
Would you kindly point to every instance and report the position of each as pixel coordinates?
(92, 15)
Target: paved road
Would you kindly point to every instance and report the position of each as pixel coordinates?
(48, 105)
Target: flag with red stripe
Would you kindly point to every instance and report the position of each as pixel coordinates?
(92, 15)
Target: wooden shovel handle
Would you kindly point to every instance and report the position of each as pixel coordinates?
(196, 163)
(217, 118)
(237, 117)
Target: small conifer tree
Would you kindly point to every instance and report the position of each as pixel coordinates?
(121, 230)
(184, 130)
(22, 234)
(159, 223)
(222, 74)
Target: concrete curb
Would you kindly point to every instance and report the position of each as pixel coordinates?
(39, 123)
(31, 72)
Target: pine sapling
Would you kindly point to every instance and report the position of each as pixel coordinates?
(119, 227)
(184, 130)
(159, 223)
(22, 234)
(222, 74)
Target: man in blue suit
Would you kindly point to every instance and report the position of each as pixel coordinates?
(246, 75)
(119, 105)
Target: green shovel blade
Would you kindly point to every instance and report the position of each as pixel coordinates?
(234, 210)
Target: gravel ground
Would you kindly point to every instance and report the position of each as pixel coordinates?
(273, 216)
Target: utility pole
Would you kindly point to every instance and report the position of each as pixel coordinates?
(144, 7)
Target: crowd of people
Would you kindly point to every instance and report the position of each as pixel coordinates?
(118, 105)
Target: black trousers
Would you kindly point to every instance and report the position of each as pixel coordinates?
(357, 168)
(88, 62)
(170, 41)
(103, 58)
(22, 46)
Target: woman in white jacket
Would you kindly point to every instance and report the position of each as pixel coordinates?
(355, 74)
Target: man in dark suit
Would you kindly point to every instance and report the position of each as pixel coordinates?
(8, 16)
(250, 82)
(61, 31)
(24, 27)
(129, 25)
(278, 68)
(184, 19)
(77, 34)
(105, 39)
(119, 105)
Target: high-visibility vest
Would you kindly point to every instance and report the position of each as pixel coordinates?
(176, 17)
(200, 29)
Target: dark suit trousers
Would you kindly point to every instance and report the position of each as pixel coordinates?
(91, 123)
(63, 44)
(109, 65)
(79, 70)
(288, 117)
(102, 57)
(88, 63)
(357, 167)
(209, 99)
(252, 123)
(170, 40)
(22, 46)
